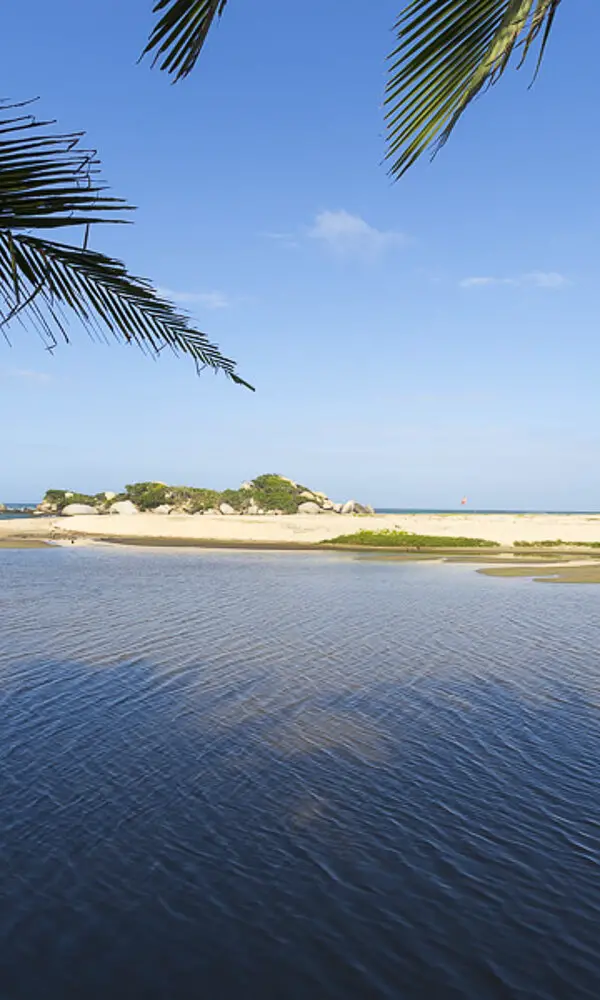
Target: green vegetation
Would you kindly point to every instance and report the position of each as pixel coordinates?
(272, 492)
(548, 543)
(268, 492)
(147, 496)
(406, 540)
(59, 499)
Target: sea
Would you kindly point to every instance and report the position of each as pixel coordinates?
(12, 507)
(294, 776)
(14, 510)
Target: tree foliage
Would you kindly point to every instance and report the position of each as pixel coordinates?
(49, 182)
(447, 52)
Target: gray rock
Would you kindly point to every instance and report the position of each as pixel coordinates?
(73, 509)
(213, 512)
(337, 508)
(328, 505)
(309, 508)
(164, 508)
(253, 509)
(246, 486)
(349, 507)
(226, 508)
(123, 507)
(308, 495)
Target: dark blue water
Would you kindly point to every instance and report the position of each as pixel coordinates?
(295, 776)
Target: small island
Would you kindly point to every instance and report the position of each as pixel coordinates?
(266, 494)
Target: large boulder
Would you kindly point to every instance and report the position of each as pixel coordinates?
(350, 507)
(309, 508)
(253, 509)
(124, 507)
(226, 508)
(163, 508)
(73, 509)
(307, 495)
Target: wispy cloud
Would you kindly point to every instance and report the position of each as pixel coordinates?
(210, 300)
(26, 375)
(286, 239)
(350, 234)
(537, 279)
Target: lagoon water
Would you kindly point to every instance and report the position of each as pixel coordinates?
(295, 776)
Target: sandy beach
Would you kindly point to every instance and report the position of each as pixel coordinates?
(506, 529)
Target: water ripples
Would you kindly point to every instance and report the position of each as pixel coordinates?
(293, 776)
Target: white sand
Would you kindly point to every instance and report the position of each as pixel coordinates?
(502, 528)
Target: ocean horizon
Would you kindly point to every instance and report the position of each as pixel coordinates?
(10, 507)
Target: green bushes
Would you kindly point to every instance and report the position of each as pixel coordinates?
(268, 492)
(147, 495)
(406, 540)
(271, 492)
(62, 498)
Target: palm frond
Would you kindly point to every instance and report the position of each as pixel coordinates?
(180, 33)
(101, 293)
(47, 181)
(447, 52)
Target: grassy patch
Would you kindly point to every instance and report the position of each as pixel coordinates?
(549, 543)
(407, 540)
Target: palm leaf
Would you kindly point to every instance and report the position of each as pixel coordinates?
(180, 33)
(47, 181)
(447, 52)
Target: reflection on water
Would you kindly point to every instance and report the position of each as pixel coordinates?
(295, 776)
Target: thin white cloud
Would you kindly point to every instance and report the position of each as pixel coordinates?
(479, 282)
(545, 279)
(211, 300)
(537, 279)
(350, 234)
(29, 375)
(286, 239)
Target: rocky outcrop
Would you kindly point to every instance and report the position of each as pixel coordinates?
(73, 509)
(123, 507)
(269, 494)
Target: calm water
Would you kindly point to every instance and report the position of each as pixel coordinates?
(295, 776)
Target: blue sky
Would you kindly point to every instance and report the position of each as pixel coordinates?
(409, 342)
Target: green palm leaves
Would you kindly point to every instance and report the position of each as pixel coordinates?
(47, 181)
(180, 33)
(448, 50)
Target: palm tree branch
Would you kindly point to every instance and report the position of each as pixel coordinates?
(92, 284)
(180, 32)
(447, 52)
(47, 181)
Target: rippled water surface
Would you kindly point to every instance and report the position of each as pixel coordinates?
(289, 776)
